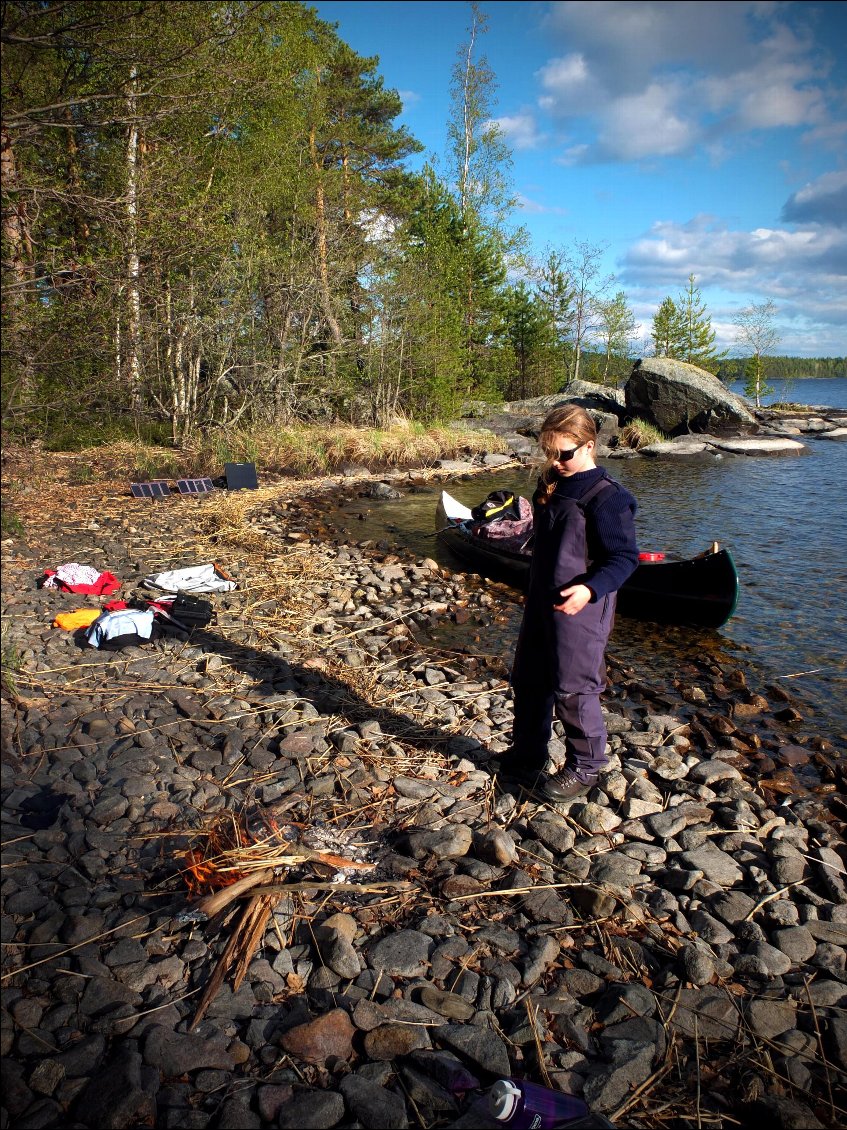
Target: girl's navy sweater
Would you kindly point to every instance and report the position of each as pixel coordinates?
(612, 546)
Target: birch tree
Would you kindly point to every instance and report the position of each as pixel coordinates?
(616, 326)
(479, 161)
(584, 265)
(757, 332)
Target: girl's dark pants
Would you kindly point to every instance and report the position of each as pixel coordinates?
(559, 669)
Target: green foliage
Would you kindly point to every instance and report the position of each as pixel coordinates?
(479, 162)
(667, 330)
(616, 327)
(532, 334)
(76, 433)
(696, 336)
(756, 329)
(11, 661)
(557, 292)
(10, 524)
(754, 383)
(210, 227)
(80, 474)
(153, 463)
(584, 263)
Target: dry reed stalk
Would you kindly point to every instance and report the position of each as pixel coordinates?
(769, 898)
(226, 959)
(642, 1090)
(697, 1059)
(532, 1017)
(254, 932)
(359, 888)
(821, 1049)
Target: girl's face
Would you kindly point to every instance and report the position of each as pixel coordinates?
(568, 455)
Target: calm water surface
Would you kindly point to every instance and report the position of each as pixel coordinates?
(784, 518)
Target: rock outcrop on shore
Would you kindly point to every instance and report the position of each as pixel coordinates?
(678, 936)
(691, 407)
(679, 398)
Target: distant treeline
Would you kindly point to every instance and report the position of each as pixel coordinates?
(785, 368)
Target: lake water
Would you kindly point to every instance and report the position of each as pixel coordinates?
(832, 392)
(783, 518)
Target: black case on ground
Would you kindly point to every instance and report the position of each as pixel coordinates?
(192, 611)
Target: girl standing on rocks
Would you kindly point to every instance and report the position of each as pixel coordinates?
(584, 550)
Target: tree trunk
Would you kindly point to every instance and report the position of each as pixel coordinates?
(81, 228)
(467, 127)
(16, 237)
(323, 252)
(133, 330)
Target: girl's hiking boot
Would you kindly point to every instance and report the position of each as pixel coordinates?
(567, 784)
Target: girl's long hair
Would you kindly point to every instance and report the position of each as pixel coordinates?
(567, 419)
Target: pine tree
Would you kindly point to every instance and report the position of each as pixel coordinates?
(667, 330)
(532, 335)
(697, 338)
(556, 292)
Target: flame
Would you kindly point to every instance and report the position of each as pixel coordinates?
(202, 875)
(211, 869)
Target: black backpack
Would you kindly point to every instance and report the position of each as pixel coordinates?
(499, 504)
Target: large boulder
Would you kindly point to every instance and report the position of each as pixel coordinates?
(585, 393)
(524, 418)
(679, 398)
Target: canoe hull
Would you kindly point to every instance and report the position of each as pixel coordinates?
(701, 591)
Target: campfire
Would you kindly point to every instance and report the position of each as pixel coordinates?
(251, 856)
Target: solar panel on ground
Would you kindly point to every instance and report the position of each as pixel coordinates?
(194, 486)
(156, 489)
(241, 476)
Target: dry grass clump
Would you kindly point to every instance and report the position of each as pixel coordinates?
(789, 406)
(306, 450)
(298, 451)
(638, 433)
(225, 520)
(136, 461)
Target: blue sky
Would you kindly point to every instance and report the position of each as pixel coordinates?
(689, 137)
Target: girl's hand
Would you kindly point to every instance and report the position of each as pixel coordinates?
(574, 599)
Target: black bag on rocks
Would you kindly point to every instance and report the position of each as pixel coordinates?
(192, 611)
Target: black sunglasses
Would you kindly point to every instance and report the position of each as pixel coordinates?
(564, 456)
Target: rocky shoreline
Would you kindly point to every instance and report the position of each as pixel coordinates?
(671, 947)
(771, 432)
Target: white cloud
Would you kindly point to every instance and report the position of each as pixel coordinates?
(574, 155)
(737, 259)
(521, 130)
(628, 42)
(654, 79)
(804, 272)
(646, 125)
(565, 83)
(408, 97)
